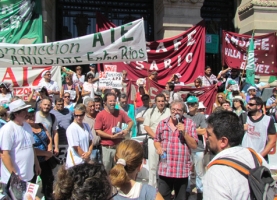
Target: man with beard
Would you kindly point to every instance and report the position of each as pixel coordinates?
(174, 139)
(224, 135)
(63, 117)
(260, 132)
(208, 79)
(89, 118)
(106, 123)
(234, 76)
(152, 119)
(49, 121)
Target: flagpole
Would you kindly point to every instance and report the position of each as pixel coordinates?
(243, 71)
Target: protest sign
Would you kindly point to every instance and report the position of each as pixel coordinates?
(111, 80)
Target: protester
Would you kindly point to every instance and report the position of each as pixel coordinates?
(224, 134)
(64, 118)
(198, 153)
(201, 108)
(98, 104)
(239, 109)
(88, 87)
(83, 181)
(79, 138)
(166, 93)
(106, 122)
(175, 79)
(198, 83)
(49, 121)
(67, 103)
(220, 97)
(260, 85)
(129, 109)
(16, 143)
(43, 147)
(174, 138)
(260, 130)
(92, 68)
(208, 79)
(89, 118)
(234, 76)
(226, 105)
(78, 78)
(172, 95)
(153, 76)
(51, 86)
(128, 158)
(5, 93)
(71, 88)
(41, 93)
(3, 116)
(251, 92)
(271, 102)
(140, 115)
(153, 117)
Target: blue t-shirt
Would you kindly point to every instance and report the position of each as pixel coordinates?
(41, 142)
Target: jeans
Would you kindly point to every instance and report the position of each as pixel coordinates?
(197, 158)
(167, 184)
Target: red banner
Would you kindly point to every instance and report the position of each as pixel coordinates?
(184, 54)
(234, 52)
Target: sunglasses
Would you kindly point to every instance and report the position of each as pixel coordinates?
(66, 96)
(191, 104)
(82, 115)
(251, 104)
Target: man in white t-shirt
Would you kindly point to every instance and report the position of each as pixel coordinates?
(16, 142)
(51, 86)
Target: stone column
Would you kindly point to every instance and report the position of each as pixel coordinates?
(172, 17)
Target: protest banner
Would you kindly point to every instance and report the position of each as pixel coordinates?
(25, 79)
(111, 80)
(184, 54)
(234, 52)
(123, 43)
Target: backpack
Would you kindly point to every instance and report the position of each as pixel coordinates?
(261, 183)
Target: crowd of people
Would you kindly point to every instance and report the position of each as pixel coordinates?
(102, 160)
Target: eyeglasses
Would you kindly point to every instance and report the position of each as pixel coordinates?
(114, 192)
(66, 96)
(82, 115)
(191, 104)
(176, 110)
(251, 104)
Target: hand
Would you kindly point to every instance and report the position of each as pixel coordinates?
(37, 169)
(56, 151)
(125, 132)
(118, 135)
(86, 156)
(160, 151)
(181, 127)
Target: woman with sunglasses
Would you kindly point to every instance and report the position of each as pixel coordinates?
(220, 97)
(79, 138)
(128, 158)
(84, 181)
(43, 148)
(89, 87)
(70, 87)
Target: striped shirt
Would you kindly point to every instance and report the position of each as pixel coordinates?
(178, 153)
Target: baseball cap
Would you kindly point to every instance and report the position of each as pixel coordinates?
(192, 99)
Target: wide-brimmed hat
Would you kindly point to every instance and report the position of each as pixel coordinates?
(201, 105)
(18, 105)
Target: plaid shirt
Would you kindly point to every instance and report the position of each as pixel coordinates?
(178, 153)
(208, 81)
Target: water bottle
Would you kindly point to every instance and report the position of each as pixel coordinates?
(163, 159)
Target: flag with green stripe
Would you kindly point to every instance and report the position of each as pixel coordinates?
(250, 67)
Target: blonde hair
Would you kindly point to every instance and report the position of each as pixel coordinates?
(131, 151)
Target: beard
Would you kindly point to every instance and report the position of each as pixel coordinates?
(252, 112)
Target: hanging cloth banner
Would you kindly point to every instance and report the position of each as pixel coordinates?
(184, 54)
(123, 43)
(234, 52)
(21, 19)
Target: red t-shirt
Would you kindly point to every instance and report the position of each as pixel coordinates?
(139, 102)
(105, 121)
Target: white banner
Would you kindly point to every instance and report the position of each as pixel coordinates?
(24, 79)
(111, 80)
(123, 43)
